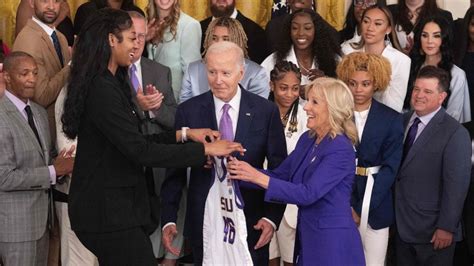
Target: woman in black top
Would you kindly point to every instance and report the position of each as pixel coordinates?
(108, 200)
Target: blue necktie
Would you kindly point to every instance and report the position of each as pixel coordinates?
(133, 77)
(57, 47)
(410, 139)
(225, 124)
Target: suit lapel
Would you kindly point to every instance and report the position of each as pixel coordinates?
(208, 113)
(47, 40)
(370, 128)
(246, 115)
(42, 127)
(18, 119)
(420, 142)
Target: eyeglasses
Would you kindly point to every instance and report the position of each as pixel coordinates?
(141, 37)
(366, 3)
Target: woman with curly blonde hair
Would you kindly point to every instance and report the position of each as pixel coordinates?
(175, 39)
(379, 152)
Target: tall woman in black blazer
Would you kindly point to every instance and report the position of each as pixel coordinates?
(108, 201)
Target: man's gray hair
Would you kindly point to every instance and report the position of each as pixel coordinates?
(226, 47)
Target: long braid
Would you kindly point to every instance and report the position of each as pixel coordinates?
(236, 33)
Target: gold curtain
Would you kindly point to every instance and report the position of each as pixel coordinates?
(257, 10)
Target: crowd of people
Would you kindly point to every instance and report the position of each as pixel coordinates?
(145, 137)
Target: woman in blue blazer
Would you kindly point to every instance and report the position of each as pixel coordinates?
(318, 177)
(379, 152)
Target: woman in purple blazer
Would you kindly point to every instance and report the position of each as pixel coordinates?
(318, 176)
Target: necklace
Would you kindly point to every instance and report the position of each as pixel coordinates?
(307, 71)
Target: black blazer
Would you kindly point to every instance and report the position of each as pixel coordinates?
(260, 131)
(108, 192)
(257, 44)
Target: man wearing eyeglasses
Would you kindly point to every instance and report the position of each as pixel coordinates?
(153, 96)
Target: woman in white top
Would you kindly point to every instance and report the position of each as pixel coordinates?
(285, 81)
(175, 39)
(310, 43)
(376, 26)
(432, 46)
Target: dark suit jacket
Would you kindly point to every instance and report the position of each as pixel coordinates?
(158, 75)
(468, 213)
(433, 180)
(381, 145)
(108, 192)
(257, 45)
(260, 131)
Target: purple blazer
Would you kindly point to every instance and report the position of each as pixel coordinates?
(319, 180)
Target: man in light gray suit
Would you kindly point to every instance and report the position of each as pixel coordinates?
(255, 77)
(27, 170)
(153, 96)
(434, 176)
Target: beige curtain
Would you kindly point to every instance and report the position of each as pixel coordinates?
(257, 10)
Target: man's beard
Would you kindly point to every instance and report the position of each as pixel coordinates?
(224, 12)
(46, 20)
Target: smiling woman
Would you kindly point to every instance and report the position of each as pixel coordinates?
(108, 199)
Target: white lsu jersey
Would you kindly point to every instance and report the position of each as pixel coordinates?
(224, 229)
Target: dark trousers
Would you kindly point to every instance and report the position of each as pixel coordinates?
(422, 254)
(131, 247)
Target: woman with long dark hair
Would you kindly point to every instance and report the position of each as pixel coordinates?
(309, 43)
(432, 46)
(351, 31)
(108, 199)
(85, 10)
(408, 13)
(378, 37)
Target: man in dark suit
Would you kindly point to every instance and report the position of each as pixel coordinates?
(257, 45)
(256, 125)
(153, 95)
(27, 169)
(49, 48)
(434, 177)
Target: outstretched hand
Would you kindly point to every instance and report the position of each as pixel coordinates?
(242, 170)
(223, 148)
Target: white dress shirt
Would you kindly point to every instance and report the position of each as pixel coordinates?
(360, 120)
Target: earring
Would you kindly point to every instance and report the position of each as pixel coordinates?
(387, 40)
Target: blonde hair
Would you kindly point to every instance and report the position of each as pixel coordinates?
(378, 67)
(170, 21)
(236, 33)
(340, 104)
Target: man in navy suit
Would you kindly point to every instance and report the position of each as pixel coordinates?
(256, 124)
(434, 176)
